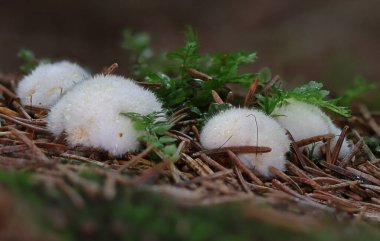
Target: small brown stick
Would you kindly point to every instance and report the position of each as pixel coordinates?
(149, 173)
(306, 181)
(195, 132)
(339, 203)
(198, 75)
(21, 109)
(111, 69)
(10, 149)
(235, 149)
(280, 186)
(251, 92)
(326, 180)
(242, 167)
(365, 147)
(270, 83)
(83, 159)
(40, 156)
(211, 162)
(338, 186)
(32, 127)
(8, 92)
(373, 169)
(241, 180)
(285, 178)
(363, 175)
(298, 153)
(339, 170)
(372, 187)
(203, 178)
(314, 139)
(135, 159)
(230, 97)
(355, 150)
(216, 97)
(370, 120)
(328, 151)
(296, 170)
(338, 145)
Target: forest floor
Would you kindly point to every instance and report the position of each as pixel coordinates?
(51, 191)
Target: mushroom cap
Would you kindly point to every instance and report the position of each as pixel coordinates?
(304, 120)
(45, 85)
(237, 127)
(90, 113)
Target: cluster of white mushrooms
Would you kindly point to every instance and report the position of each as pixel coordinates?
(87, 109)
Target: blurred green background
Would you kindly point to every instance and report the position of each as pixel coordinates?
(329, 40)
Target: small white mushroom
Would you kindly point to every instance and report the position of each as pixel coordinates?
(45, 85)
(90, 113)
(305, 120)
(238, 127)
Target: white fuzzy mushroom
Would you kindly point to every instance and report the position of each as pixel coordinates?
(48, 82)
(90, 113)
(305, 120)
(237, 127)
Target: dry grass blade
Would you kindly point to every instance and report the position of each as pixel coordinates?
(244, 169)
(8, 92)
(251, 92)
(10, 149)
(235, 149)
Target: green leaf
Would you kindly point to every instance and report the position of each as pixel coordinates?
(167, 139)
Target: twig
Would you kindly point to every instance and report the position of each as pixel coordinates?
(251, 92)
(347, 159)
(242, 167)
(338, 145)
(370, 120)
(40, 156)
(235, 149)
(314, 139)
(136, 158)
